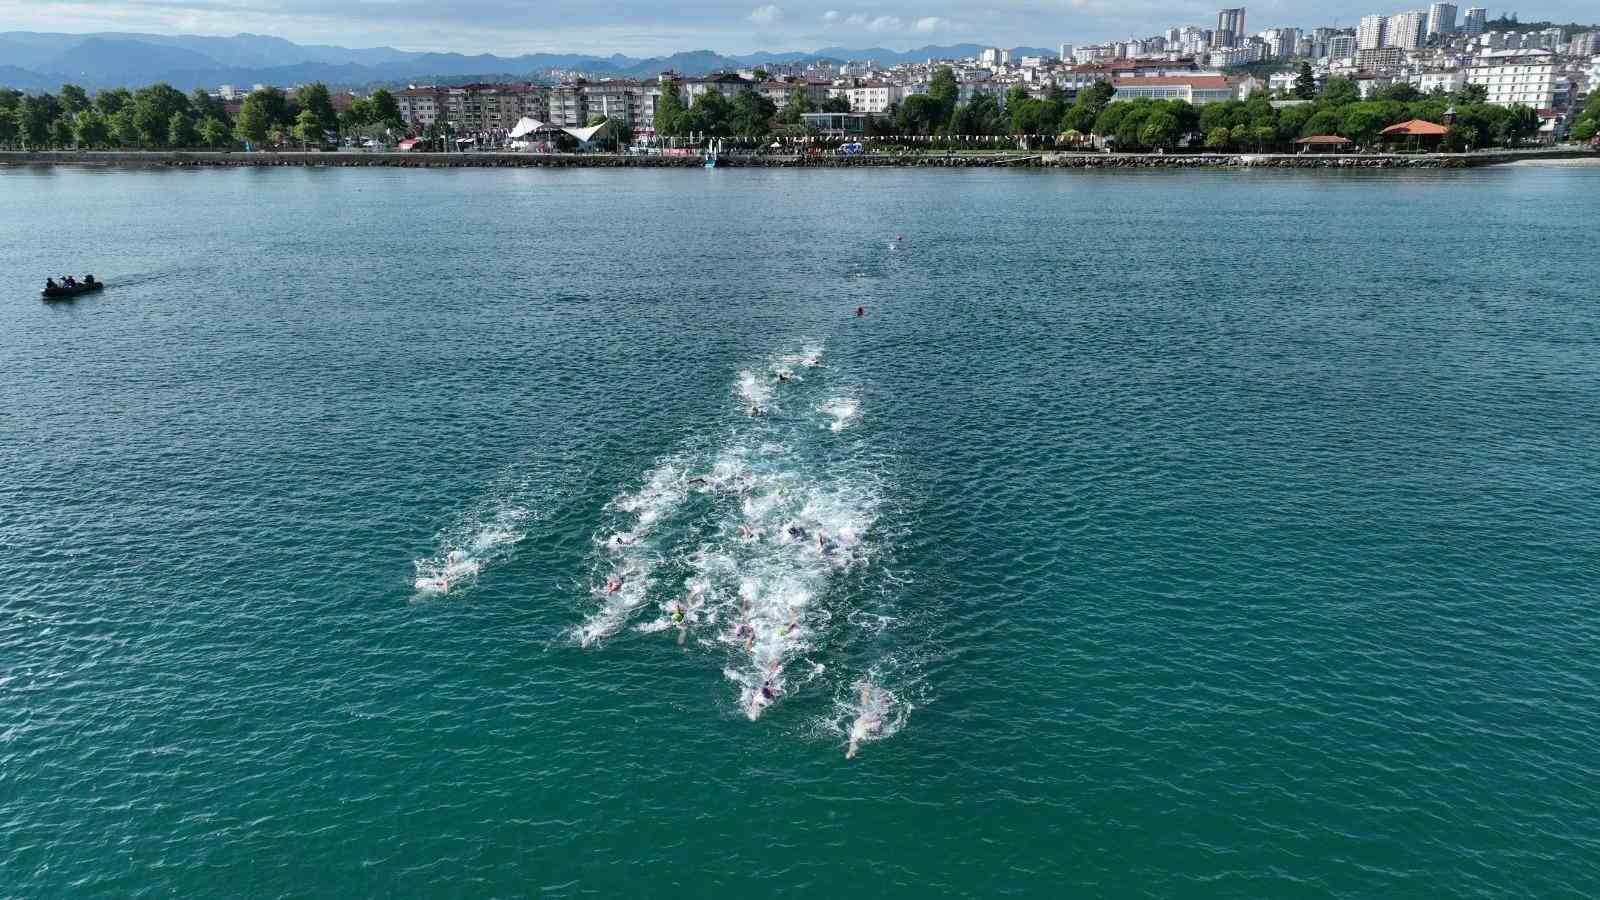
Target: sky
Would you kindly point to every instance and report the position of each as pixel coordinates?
(652, 27)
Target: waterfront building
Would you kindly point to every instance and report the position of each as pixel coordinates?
(727, 84)
(1370, 33)
(1231, 23)
(1474, 22)
(1441, 19)
(1195, 89)
(1527, 77)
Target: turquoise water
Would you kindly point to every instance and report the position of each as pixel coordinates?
(1222, 534)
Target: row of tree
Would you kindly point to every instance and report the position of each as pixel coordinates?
(162, 117)
(1586, 126)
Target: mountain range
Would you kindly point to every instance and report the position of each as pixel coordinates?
(35, 61)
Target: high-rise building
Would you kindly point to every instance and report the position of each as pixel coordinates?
(1066, 53)
(1281, 42)
(1476, 17)
(1370, 33)
(1232, 22)
(1441, 19)
(1406, 30)
(1341, 46)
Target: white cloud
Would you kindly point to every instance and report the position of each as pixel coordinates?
(831, 16)
(886, 23)
(928, 24)
(766, 16)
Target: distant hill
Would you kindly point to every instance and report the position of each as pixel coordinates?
(35, 61)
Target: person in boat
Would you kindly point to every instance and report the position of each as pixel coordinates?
(50, 284)
(88, 280)
(71, 282)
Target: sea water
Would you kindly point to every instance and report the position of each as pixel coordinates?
(1222, 533)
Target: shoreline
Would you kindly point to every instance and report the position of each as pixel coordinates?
(1043, 160)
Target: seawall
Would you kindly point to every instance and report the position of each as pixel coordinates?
(215, 159)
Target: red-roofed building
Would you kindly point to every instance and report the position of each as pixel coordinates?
(1195, 89)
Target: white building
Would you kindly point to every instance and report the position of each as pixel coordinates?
(1428, 82)
(1341, 46)
(1476, 17)
(1196, 89)
(1406, 30)
(870, 97)
(1370, 34)
(1441, 19)
(990, 57)
(1526, 77)
(1066, 53)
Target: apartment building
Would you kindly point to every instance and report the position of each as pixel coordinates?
(1527, 77)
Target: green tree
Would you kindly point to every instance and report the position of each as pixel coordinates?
(308, 127)
(1339, 92)
(202, 105)
(89, 128)
(1305, 84)
(944, 90)
(1362, 122)
(111, 102)
(710, 115)
(61, 131)
(1160, 129)
(153, 108)
(9, 130)
(386, 110)
(33, 116)
(1473, 94)
(314, 97)
(920, 114)
(798, 104)
(1218, 138)
(180, 131)
(214, 132)
(124, 126)
(979, 116)
(751, 115)
(73, 99)
(261, 113)
(1324, 121)
(1079, 117)
(836, 105)
(1097, 96)
(670, 111)
(1400, 92)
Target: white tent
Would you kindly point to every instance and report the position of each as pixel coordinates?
(526, 126)
(585, 135)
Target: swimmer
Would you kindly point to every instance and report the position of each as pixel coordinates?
(785, 376)
(747, 533)
(622, 539)
(769, 691)
(798, 533)
(861, 312)
(868, 722)
(613, 584)
(753, 411)
(699, 481)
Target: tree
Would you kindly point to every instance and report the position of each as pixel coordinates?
(979, 116)
(124, 127)
(308, 127)
(709, 115)
(153, 108)
(1305, 84)
(33, 116)
(314, 98)
(762, 75)
(751, 115)
(180, 130)
(89, 129)
(262, 112)
(385, 109)
(798, 104)
(1339, 92)
(1160, 129)
(1079, 117)
(1472, 94)
(73, 99)
(1400, 92)
(944, 90)
(203, 105)
(8, 126)
(919, 114)
(836, 105)
(1326, 121)
(213, 132)
(670, 111)
(61, 131)
(111, 102)
(1218, 138)
(1362, 122)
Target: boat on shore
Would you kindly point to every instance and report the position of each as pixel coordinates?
(63, 291)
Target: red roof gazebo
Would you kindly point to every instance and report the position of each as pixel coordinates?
(1419, 132)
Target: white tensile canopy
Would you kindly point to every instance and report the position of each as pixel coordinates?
(587, 134)
(526, 126)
